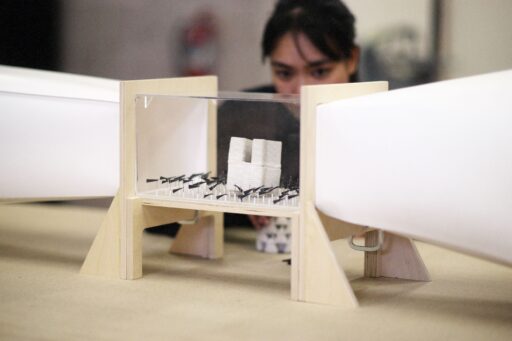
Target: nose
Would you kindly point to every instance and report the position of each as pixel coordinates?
(298, 81)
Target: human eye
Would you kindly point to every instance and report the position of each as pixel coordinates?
(321, 72)
(283, 74)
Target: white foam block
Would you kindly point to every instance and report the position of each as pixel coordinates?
(266, 153)
(271, 176)
(244, 175)
(239, 149)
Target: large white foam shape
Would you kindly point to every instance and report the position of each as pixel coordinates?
(433, 162)
(59, 135)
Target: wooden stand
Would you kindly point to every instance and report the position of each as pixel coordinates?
(398, 258)
(316, 275)
(321, 277)
(117, 248)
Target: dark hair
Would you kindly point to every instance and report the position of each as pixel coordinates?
(328, 24)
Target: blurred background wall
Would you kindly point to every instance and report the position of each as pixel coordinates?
(407, 41)
(131, 39)
(477, 37)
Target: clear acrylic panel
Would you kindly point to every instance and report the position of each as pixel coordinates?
(250, 155)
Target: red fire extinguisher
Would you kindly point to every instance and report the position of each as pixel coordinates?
(199, 42)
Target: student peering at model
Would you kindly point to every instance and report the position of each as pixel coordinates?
(308, 42)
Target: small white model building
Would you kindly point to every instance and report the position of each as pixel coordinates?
(253, 163)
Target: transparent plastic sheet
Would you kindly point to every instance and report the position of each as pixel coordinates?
(174, 143)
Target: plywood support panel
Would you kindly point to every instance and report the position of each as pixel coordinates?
(323, 280)
(103, 256)
(398, 258)
(117, 248)
(204, 239)
(320, 278)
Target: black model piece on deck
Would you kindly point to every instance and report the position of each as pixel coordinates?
(242, 196)
(195, 175)
(178, 178)
(177, 189)
(220, 195)
(152, 180)
(292, 196)
(264, 189)
(269, 189)
(207, 195)
(197, 184)
(282, 195)
(253, 190)
(165, 179)
(278, 200)
(209, 181)
(239, 188)
(212, 187)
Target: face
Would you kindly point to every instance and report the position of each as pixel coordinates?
(298, 62)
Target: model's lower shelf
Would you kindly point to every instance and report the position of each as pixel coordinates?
(219, 206)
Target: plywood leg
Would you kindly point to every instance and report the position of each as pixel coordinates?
(370, 258)
(131, 257)
(321, 279)
(103, 256)
(204, 239)
(398, 258)
(295, 249)
(139, 217)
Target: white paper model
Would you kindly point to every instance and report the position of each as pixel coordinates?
(433, 162)
(253, 163)
(59, 130)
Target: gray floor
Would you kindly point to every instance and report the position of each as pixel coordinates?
(244, 296)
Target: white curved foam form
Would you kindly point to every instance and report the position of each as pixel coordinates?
(59, 135)
(433, 162)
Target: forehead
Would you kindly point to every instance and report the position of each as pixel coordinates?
(296, 50)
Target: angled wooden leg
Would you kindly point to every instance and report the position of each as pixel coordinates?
(321, 278)
(204, 239)
(398, 258)
(103, 256)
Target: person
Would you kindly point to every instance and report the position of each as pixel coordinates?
(310, 42)
(306, 42)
